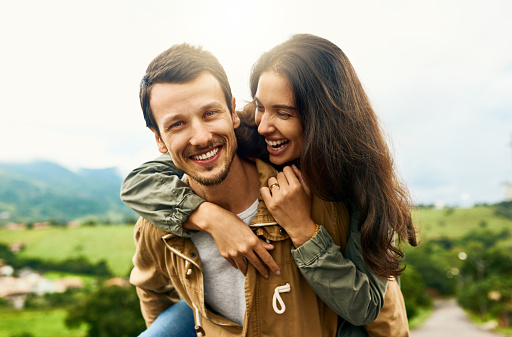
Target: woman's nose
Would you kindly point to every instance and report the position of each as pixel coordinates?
(264, 126)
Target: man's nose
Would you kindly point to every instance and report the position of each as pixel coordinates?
(201, 135)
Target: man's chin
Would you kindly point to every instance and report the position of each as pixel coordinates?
(210, 181)
(209, 178)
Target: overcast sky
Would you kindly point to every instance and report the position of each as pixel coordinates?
(438, 73)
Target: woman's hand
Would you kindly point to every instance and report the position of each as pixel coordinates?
(289, 201)
(233, 237)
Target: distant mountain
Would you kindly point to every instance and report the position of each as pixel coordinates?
(44, 191)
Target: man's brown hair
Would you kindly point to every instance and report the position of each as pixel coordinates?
(180, 64)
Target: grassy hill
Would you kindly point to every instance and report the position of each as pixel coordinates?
(456, 222)
(114, 244)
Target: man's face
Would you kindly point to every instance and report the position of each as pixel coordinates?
(196, 127)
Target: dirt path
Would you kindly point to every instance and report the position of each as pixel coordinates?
(449, 320)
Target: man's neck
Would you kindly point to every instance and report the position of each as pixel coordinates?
(237, 192)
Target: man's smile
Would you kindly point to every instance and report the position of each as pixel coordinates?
(206, 155)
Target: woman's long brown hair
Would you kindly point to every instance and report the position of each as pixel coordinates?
(344, 156)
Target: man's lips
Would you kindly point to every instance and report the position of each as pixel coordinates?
(206, 155)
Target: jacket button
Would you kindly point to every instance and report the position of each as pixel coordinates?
(193, 254)
(282, 231)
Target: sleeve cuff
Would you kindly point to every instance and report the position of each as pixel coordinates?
(313, 249)
(175, 220)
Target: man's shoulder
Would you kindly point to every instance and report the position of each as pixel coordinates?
(265, 171)
(144, 227)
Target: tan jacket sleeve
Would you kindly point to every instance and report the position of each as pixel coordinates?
(154, 287)
(392, 319)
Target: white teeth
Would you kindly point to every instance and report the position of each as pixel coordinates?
(206, 155)
(276, 144)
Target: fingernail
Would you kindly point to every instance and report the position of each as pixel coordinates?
(278, 273)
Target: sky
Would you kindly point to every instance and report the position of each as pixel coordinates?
(438, 74)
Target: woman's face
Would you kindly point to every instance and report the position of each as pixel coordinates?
(277, 117)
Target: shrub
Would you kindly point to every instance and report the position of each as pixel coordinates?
(489, 298)
(109, 311)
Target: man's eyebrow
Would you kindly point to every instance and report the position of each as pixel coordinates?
(171, 119)
(276, 106)
(212, 104)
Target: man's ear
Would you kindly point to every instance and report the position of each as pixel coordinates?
(234, 114)
(160, 144)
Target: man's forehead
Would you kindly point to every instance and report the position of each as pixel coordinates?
(199, 93)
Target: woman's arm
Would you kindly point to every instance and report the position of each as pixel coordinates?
(156, 192)
(342, 281)
(346, 284)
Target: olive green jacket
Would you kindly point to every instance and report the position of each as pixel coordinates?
(155, 191)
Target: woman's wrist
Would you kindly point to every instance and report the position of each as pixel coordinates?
(208, 217)
(303, 234)
(200, 219)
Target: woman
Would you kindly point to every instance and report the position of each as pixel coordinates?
(310, 102)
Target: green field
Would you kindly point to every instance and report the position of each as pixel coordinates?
(115, 243)
(39, 323)
(111, 243)
(455, 223)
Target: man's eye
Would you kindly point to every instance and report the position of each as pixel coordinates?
(175, 125)
(209, 113)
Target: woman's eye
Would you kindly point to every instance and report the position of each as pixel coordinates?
(284, 115)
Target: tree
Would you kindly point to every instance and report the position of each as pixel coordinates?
(485, 283)
(433, 261)
(413, 288)
(109, 312)
(491, 297)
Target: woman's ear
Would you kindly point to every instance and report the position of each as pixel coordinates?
(160, 144)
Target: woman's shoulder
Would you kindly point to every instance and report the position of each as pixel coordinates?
(334, 216)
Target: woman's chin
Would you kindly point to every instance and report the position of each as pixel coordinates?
(279, 160)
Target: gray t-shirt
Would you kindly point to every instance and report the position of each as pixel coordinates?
(223, 284)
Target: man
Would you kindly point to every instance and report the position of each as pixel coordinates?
(188, 105)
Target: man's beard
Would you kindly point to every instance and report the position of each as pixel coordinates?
(212, 181)
(215, 180)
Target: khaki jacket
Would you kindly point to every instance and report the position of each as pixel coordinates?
(163, 260)
(162, 257)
